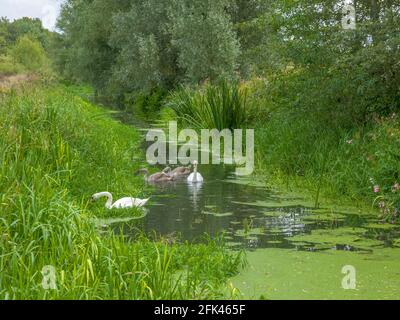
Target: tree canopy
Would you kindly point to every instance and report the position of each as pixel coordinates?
(131, 45)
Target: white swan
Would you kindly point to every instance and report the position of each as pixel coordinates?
(123, 203)
(195, 176)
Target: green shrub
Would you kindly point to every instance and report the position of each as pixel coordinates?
(8, 66)
(29, 53)
(145, 104)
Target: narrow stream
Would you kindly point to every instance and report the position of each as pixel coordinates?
(251, 216)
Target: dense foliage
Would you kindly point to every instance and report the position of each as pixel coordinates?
(340, 75)
(140, 45)
(24, 46)
(329, 91)
(313, 82)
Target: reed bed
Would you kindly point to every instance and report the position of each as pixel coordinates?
(55, 151)
(222, 106)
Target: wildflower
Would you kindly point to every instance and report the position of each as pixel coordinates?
(382, 204)
(377, 189)
(396, 187)
(349, 141)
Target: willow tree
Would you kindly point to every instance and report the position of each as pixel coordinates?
(162, 43)
(202, 33)
(146, 57)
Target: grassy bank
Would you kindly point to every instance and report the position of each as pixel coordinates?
(56, 151)
(356, 164)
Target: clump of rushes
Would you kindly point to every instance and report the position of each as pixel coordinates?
(221, 106)
(56, 150)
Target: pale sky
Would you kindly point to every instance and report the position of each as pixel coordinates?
(46, 10)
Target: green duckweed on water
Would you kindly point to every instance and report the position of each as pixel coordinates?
(311, 266)
(343, 236)
(291, 274)
(216, 214)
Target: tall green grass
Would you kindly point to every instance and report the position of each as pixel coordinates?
(56, 150)
(222, 106)
(339, 163)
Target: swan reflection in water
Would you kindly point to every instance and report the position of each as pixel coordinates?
(195, 191)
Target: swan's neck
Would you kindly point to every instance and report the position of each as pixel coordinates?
(146, 176)
(109, 200)
(195, 172)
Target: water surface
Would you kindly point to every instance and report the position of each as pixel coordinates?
(249, 215)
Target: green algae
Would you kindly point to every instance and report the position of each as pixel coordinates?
(217, 214)
(382, 226)
(290, 274)
(344, 236)
(326, 216)
(101, 222)
(274, 213)
(250, 232)
(247, 181)
(275, 203)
